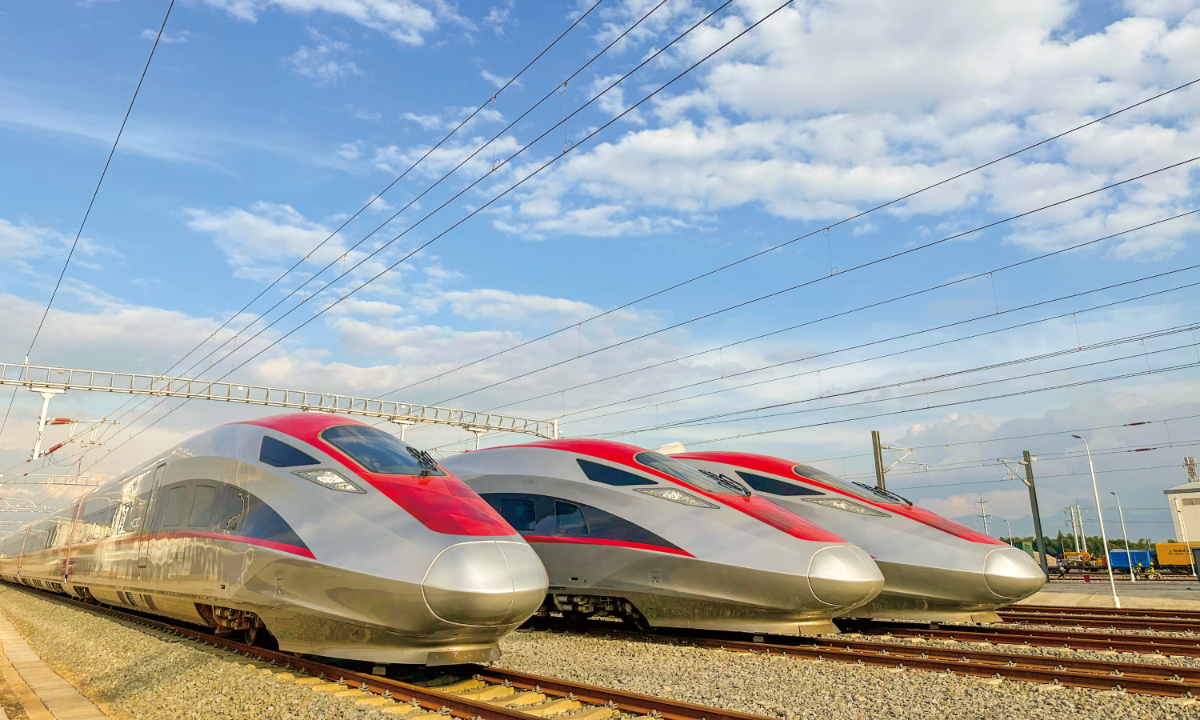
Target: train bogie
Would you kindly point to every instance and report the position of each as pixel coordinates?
(628, 533)
(935, 569)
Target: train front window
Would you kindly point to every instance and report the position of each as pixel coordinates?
(857, 489)
(770, 485)
(690, 475)
(377, 451)
(280, 454)
(609, 475)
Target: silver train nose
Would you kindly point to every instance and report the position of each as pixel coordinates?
(844, 576)
(485, 583)
(1012, 574)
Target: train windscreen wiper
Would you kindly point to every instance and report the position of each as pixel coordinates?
(729, 483)
(885, 494)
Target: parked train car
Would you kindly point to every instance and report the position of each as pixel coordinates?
(322, 533)
(1173, 558)
(631, 533)
(935, 569)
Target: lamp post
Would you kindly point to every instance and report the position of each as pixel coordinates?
(1010, 538)
(1100, 515)
(1128, 555)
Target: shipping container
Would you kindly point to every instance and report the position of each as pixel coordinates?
(1121, 558)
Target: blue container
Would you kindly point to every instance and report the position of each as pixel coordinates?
(1120, 559)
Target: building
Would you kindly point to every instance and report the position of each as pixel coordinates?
(1184, 503)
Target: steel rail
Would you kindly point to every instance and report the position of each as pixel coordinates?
(1148, 624)
(39, 377)
(1067, 639)
(1160, 680)
(1106, 612)
(428, 698)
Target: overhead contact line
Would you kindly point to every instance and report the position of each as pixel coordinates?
(807, 283)
(778, 246)
(490, 202)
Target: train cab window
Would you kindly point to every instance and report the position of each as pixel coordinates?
(174, 512)
(280, 454)
(690, 475)
(376, 451)
(866, 492)
(234, 512)
(610, 475)
(519, 513)
(202, 506)
(765, 484)
(568, 519)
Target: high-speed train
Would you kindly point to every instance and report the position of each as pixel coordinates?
(318, 532)
(935, 569)
(631, 533)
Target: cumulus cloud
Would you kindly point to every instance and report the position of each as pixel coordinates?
(323, 63)
(406, 21)
(253, 240)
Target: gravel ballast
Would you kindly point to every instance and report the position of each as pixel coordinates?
(145, 675)
(791, 688)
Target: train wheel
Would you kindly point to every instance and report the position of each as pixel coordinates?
(259, 636)
(574, 618)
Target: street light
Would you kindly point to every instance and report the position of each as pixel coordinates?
(1010, 539)
(1128, 555)
(1100, 514)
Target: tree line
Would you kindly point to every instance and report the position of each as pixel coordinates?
(1056, 546)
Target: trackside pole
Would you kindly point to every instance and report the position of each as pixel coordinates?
(1037, 516)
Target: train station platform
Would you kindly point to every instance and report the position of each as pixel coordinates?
(33, 686)
(1149, 595)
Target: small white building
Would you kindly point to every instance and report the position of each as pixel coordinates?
(1184, 502)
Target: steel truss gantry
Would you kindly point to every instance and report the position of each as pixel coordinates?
(49, 381)
(48, 479)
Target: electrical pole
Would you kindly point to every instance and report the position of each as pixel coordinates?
(983, 512)
(1082, 530)
(877, 451)
(1033, 505)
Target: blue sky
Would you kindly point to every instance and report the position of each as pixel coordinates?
(263, 125)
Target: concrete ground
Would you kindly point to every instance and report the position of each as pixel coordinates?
(1098, 593)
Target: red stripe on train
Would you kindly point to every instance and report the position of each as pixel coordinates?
(602, 541)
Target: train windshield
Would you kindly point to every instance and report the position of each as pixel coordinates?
(379, 452)
(858, 489)
(690, 475)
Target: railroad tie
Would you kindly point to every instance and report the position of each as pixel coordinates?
(552, 707)
(519, 700)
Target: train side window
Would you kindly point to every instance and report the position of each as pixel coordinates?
(610, 475)
(235, 510)
(519, 513)
(568, 519)
(174, 513)
(765, 484)
(280, 454)
(202, 506)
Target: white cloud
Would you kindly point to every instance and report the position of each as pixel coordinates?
(498, 18)
(429, 122)
(495, 79)
(829, 107)
(253, 240)
(179, 37)
(351, 151)
(324, 63)
(406, 21)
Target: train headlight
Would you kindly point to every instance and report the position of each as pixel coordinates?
(677, 496)
(847, 505)
(331, 479)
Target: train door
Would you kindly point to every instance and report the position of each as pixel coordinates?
(147, 513)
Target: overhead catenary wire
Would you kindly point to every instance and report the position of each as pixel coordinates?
(868, 306)
(814, 281)
(734, 416)
(87, 213)
(890, 354)
(541, 168)
(779, 246)
(212, 336)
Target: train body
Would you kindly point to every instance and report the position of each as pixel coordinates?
(631, 533)
(935, 569)
(314, 531)
(1174, 557)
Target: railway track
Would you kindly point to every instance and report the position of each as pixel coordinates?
(469, 692)
(1108, 612)
(1068, 639)
(1145, 624)
(1159, 680)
